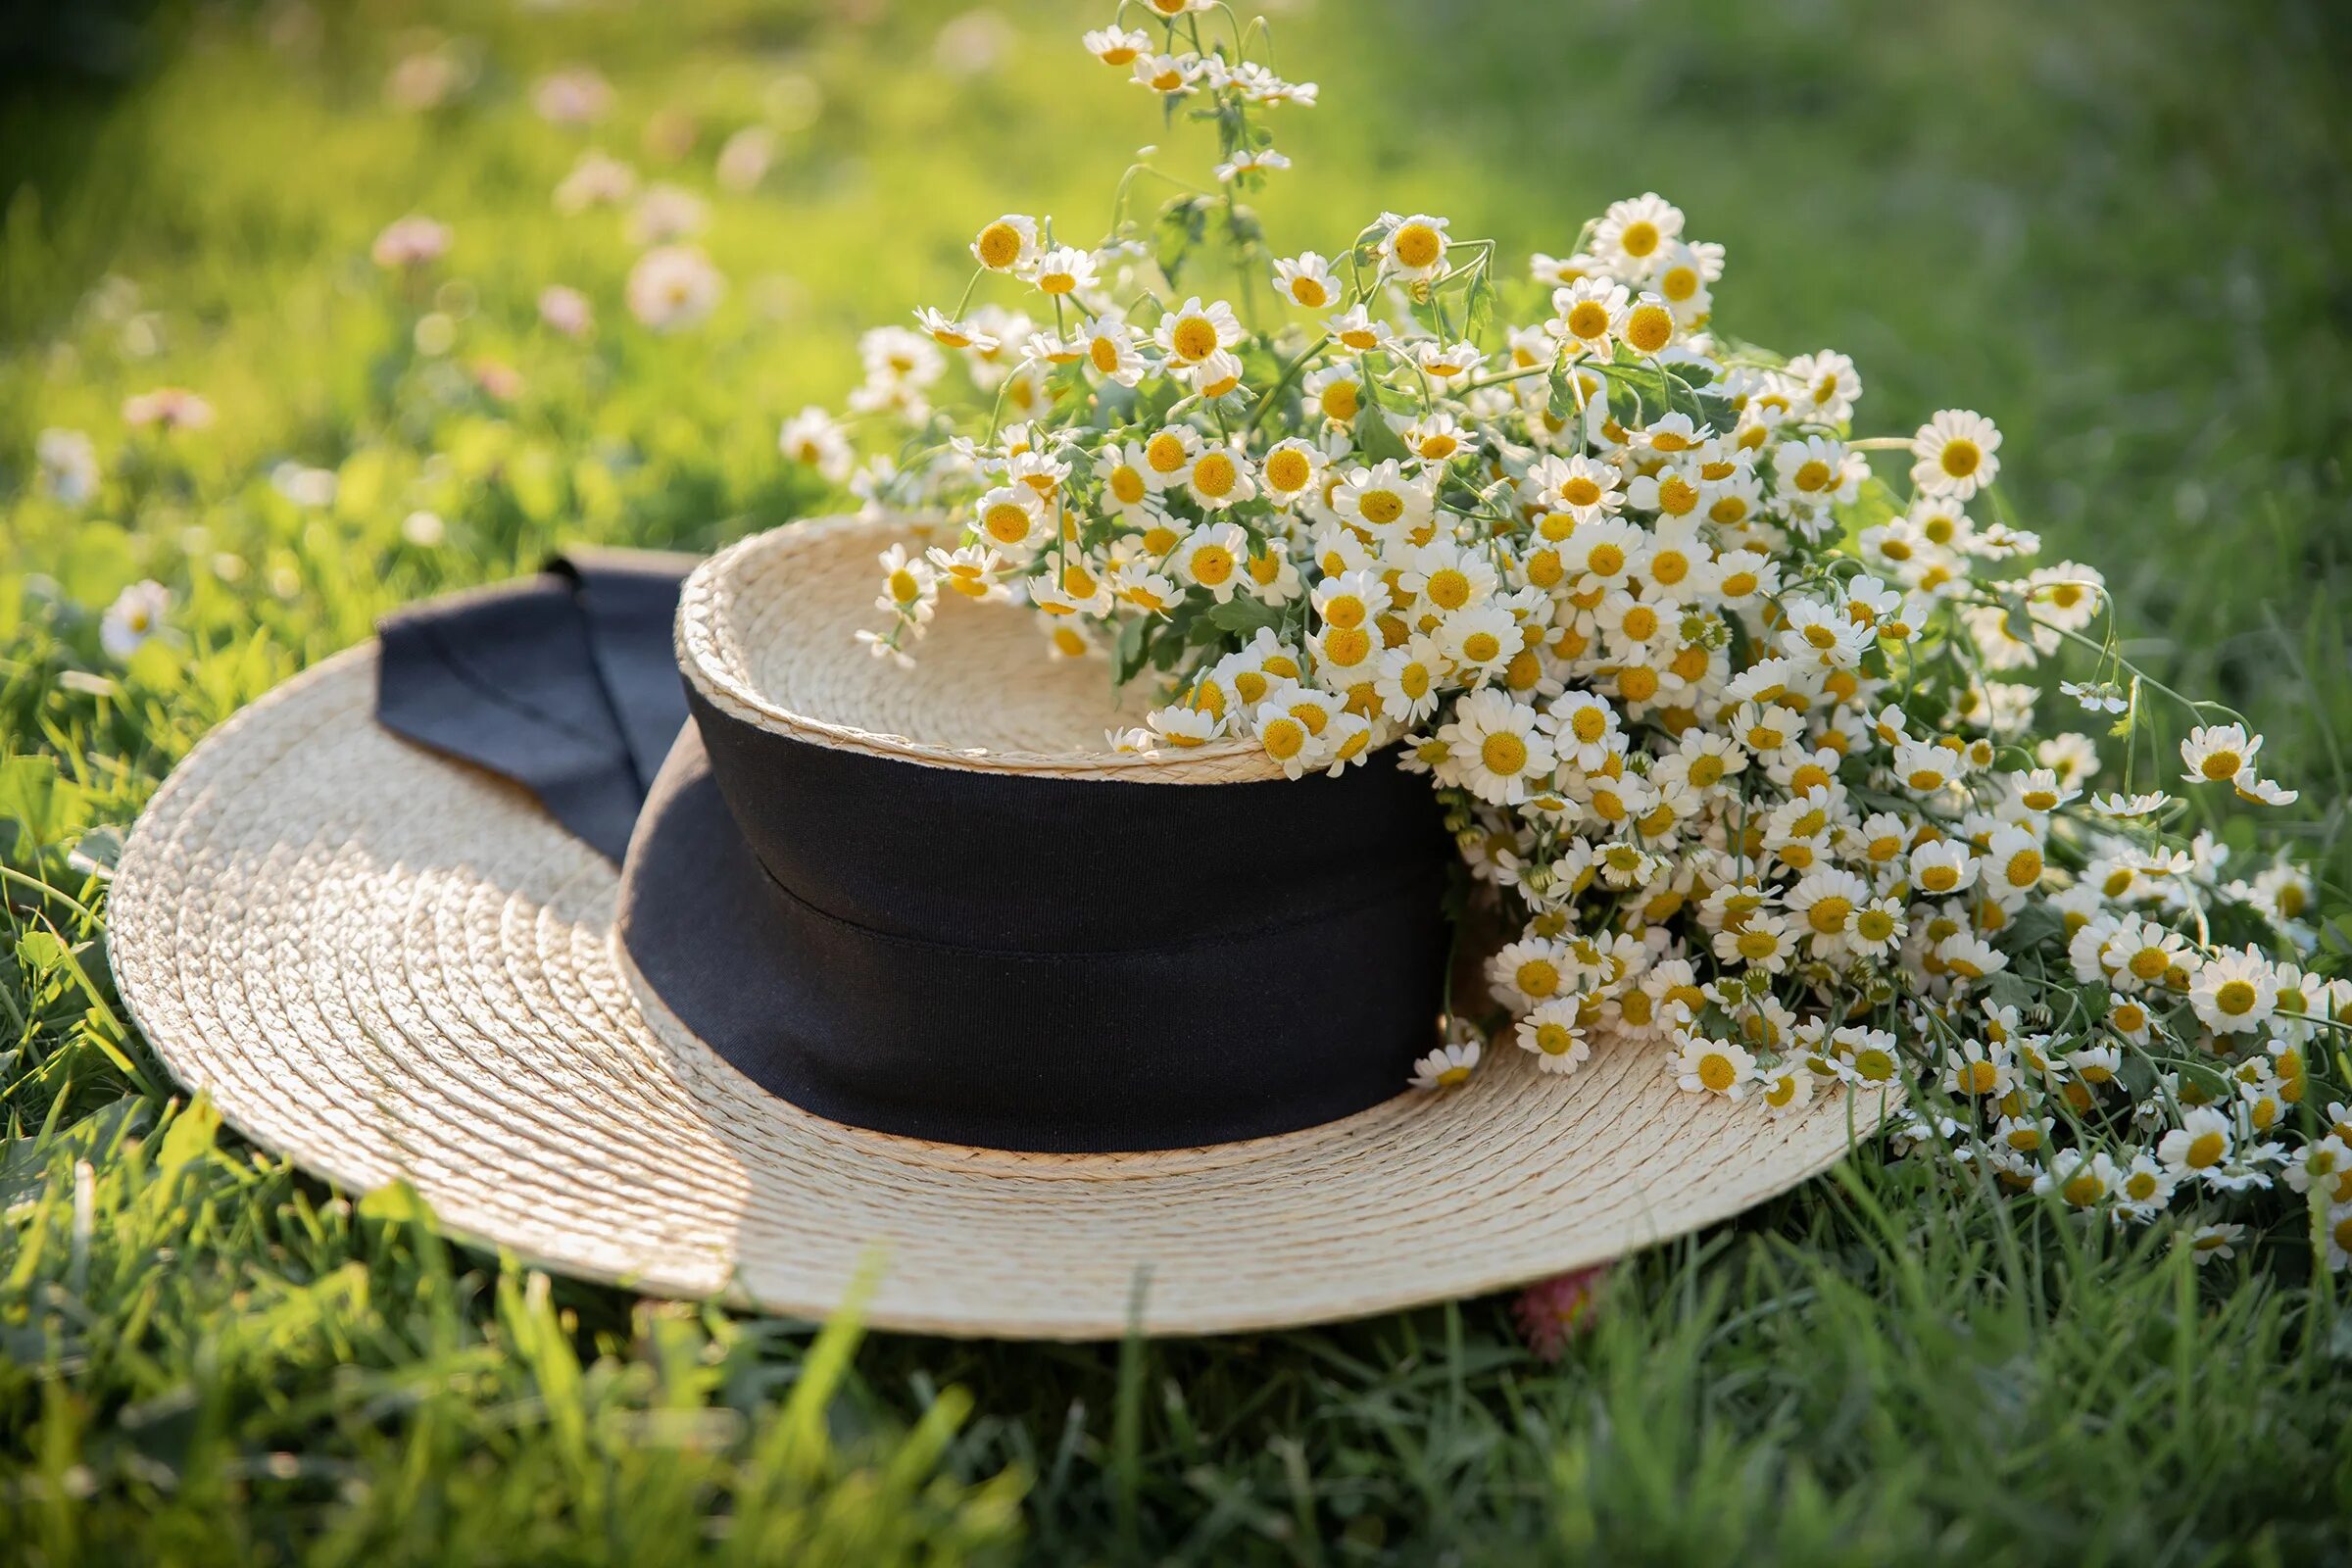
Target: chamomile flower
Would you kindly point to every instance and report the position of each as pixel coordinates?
(1063, 269)
(1011, 516)
(1634, 236)
(1553, 1034)
(1219, 477)
(1412, 247)
(1385, 501)
(1251, 161)
(1289, 470)
(811, 437)
(1713, 1066)
(1498, 746)
(1588, 315)
(2235, 991)
(135, 615)
(1114, 47)
(1955, 452)
(1305, 281)
(1480, 642)
(1450, 1066)
(972, 570)
(1785, 1088)
(1576, 486)
(1409, 679)
(1193, 332)
(1336, 392)
(1174, 75)
(1210, 559)
(2218, 753)
(1010, 244)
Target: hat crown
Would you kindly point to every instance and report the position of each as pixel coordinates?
(767, 634)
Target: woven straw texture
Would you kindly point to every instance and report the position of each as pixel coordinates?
(766, 629)
(388, 966)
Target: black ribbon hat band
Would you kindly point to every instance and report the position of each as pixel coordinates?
(1017, 962)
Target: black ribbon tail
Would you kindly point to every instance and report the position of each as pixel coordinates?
(565, 683)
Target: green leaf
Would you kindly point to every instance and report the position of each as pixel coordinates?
(1480, 323)
(1132, 650)
(1242, 617)
(1375, 436)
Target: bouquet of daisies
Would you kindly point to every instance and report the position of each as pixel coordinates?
(1731, 705)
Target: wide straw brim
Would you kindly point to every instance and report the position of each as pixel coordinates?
(388, 966)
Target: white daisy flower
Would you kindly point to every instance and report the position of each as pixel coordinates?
(1633, 236)
(2234, 992)
(1305, 281)
(1552, 1032)
(1063, 269)
(135, 615)
(1955, 452)
(1712, 1066)
(1193, 332)
(1211, 557)
(1412, 247)
(1116, 47)
(1010, 244)
(811, 437)
(1450, 1066)
(1498, 746)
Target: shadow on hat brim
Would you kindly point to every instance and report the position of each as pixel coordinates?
(388, 966)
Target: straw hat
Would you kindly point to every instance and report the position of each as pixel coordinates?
(389, 966)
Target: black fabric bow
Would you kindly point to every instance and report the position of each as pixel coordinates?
(566, 683)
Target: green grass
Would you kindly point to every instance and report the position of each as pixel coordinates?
(2119, 227)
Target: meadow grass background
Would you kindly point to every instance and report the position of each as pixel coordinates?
(2119, 227)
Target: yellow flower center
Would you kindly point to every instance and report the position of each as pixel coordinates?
(1006, 523)
(1193, 338)
(1106, 355)
(1417, 245)
(1283, 739)
(1641, 238)
(1679, 284)
(1811, 475)
(2025, 868)
(1346, 647)
(1537, 977)
(2221, 764)
(1651, 328)
(1504, 755)
(1165, 452)
(1289, 471)
(1961, 457)
(1605, 561)
(1482, 647)
(1214, 474)
(1829, 915)
(1448, 588)
(1000, 246)
(1127, 485)
(1379, 506)
(1587, 319)
(2235, 998)
(1716, 1071)
(1212, 564)
(2205, 1151)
